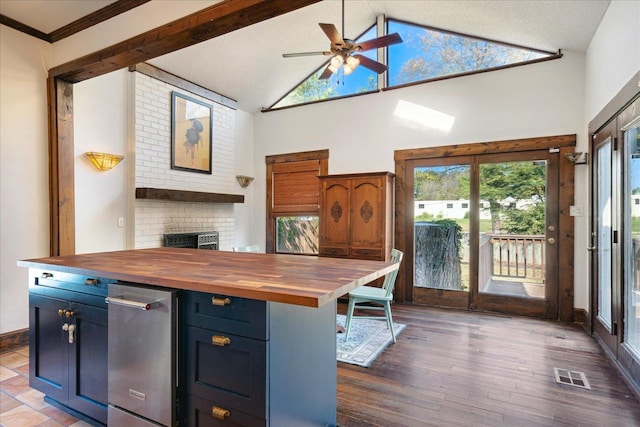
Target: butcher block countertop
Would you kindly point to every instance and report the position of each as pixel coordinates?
(291, 279)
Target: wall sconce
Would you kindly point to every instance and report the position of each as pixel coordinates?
(578, 158)
(244, 181)
(103, 161)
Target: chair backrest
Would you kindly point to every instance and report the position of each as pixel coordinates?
(250, 248)
(390, 278)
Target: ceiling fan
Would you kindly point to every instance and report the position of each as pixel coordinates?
(345, 51)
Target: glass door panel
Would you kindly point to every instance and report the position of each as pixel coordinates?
(512, 229)
(603, 212)
(606, 259)
(441, 223)
(632, 239)
(516, 240)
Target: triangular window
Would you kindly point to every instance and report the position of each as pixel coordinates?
(429, 53)
(312, 89)
(425, 54)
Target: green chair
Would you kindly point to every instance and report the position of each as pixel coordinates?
(381, 297)
(250, 248)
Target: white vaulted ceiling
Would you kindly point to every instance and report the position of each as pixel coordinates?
(247, 64)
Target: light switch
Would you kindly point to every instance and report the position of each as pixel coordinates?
(575, 211)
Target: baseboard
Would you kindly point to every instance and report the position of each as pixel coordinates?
(580, 315)
(13, 340)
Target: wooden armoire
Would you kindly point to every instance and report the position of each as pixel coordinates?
(356, 215)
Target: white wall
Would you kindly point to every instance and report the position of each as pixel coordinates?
(362, 133)
(24, 169)
(246, 231)
(100, 124)
(613, 56)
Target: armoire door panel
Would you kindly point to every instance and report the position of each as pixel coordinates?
(334, 216)
(367, 199)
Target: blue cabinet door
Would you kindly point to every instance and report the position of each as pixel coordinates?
(48, 347)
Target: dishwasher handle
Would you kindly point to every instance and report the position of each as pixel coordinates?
(129, 303)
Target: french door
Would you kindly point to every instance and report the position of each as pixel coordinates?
(483, 232)
(615, 237)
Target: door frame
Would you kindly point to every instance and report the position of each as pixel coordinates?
(547, 308)
(608, 335)
(613, 339)
(404, 205)
(617, 107)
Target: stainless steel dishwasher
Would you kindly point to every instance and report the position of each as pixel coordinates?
(142, 351)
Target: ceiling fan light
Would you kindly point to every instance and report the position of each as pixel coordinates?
(335, 63)
(350, 65)
(353, 62)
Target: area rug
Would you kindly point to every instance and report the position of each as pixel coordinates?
(367, 340)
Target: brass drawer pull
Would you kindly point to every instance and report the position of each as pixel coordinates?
(220, 301)
(219, 340)
(220, 413)
(47, 275)
(91, 282)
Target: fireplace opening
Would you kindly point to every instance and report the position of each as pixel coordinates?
(200, 240)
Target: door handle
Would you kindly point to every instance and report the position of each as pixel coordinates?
(220, 340)
(591, 248)
(220, 413)
(128, 303)
(220, 301)
(71, 329)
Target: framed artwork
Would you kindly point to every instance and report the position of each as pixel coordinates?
(191, 129)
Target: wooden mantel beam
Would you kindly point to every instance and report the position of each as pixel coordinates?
(219, 19)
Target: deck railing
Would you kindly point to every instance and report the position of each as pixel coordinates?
(517, 256)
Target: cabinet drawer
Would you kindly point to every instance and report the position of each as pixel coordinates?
(238, 316)
(70, 282)
(200, 413)
(367, 253)
(231, 372)
(334, 251)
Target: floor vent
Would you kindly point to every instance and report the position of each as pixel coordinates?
(573, 378)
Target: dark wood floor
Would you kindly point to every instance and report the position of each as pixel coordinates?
(458, 368)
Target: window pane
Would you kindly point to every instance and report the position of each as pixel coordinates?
(297, 235)
(428, 53)
(603, 231)
(441, 233)
(313, 89)
(512, 241)
(632, 240)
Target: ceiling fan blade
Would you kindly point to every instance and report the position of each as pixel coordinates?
(293, 55)
(371, 64)
(325, 74)
(380, 42)
(332, 32)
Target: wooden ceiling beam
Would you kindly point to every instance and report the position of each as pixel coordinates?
(219, 19)
(101, 15)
